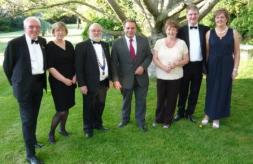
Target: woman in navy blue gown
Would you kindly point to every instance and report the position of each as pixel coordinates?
(223, 56)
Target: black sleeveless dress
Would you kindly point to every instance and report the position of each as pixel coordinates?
(220, 65)
(63, 61)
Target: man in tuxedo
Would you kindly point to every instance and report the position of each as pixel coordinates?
(194, 36)
(93, 75)
(24, 66)
(131, 57)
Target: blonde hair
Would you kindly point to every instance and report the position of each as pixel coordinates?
(192, 7)
(59, 25)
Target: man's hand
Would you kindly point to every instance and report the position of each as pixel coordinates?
(139, 70)
(117, 85)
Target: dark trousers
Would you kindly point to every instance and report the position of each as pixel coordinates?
(167, 94)
(93, 107)
(190, 87)
(29, 111)
(140, 103)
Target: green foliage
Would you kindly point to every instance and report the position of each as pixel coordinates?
(11, 24)
(244, 21)
(107, 24)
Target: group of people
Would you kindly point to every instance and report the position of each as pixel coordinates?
(180, 58)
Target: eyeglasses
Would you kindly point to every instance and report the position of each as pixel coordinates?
(33, 27)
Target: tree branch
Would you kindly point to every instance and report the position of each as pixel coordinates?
(138, 2)
(152, 7)
(117, 9)
(63, 4)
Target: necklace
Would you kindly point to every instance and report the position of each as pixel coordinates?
(222, 33)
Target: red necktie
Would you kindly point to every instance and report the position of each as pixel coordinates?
(131, 49)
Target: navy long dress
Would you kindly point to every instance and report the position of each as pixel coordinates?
(219, 78)
(63, 61)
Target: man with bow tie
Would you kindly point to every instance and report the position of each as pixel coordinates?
(194, 36)
(93, 75)
(131, 56)
(24, 66)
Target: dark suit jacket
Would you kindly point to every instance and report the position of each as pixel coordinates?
(123, 67)
(183, 33)
(17, 66)
(87, 68)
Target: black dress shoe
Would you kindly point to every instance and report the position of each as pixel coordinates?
(64, 133)
(33, 160)
(122, 124)
(51, 138)
(38, 145)
(102, 128)
(88, 134)
(191, 118)
(178, 117)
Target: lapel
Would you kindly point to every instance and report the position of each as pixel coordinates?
(125, 49)
(26, 53)
(138, 43)
(201, 38)
(92, 51)
(186, 31)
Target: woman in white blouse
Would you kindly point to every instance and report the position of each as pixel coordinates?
(170, 54)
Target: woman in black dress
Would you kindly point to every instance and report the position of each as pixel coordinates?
(222, 61)
(62, 79)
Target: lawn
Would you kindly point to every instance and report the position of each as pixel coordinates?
(184, 142)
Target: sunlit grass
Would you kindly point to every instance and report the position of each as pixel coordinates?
(184, 142)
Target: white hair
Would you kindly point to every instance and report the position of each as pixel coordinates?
(25, 22)
(94, 25)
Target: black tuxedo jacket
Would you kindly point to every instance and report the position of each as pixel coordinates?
(17, 66)
(183, 33)
(87, 68)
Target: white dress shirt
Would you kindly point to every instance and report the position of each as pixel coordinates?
(100, 57)
(36, 56)
(194, 45)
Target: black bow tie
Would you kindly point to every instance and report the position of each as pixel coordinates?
(94, 42)
(35, 41)
(193, 27)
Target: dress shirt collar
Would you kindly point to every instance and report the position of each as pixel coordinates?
(29, 40)
(127, 38)
(195, 26)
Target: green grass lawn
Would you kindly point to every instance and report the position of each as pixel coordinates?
(184, 142)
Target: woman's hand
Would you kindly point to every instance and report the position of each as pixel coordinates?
(234, 73)
(67, 82)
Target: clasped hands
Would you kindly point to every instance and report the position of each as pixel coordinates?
(167, 68)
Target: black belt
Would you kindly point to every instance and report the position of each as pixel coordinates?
(38, 77)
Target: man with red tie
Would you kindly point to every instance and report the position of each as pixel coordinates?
(131, 57)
